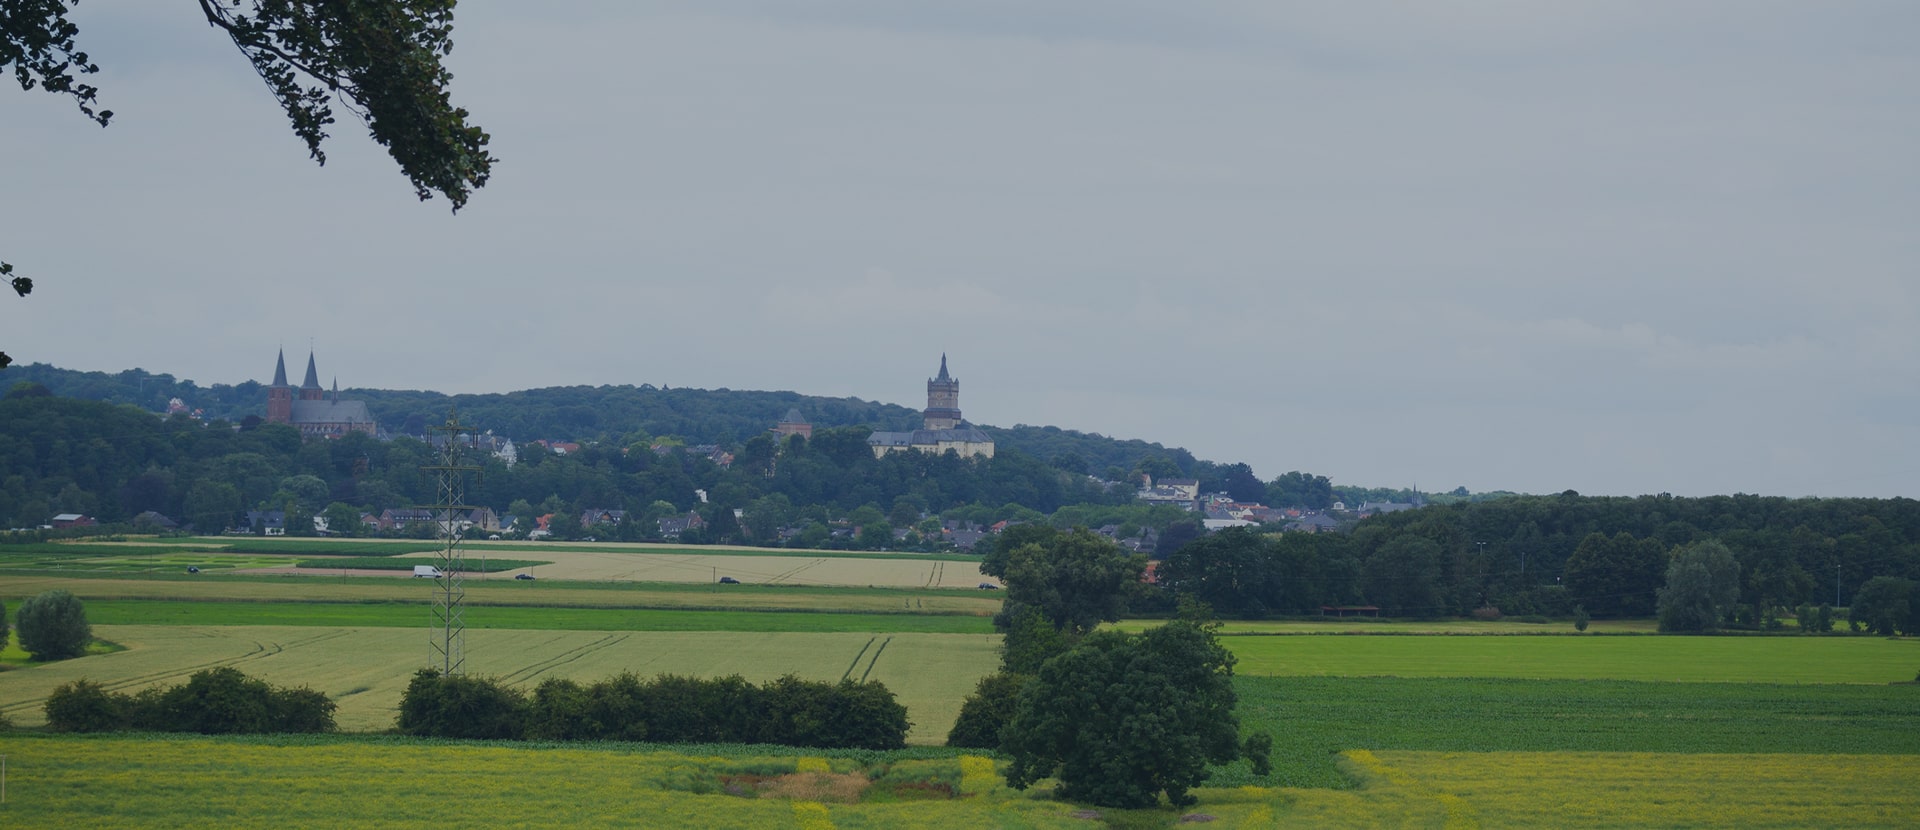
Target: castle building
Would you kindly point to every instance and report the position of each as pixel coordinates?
(793, 424)
(309, 408)
(942, 428)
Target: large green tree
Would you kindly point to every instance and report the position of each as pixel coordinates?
(1076, 580)
(1703, 583)
(1124, 717)
(381, 59)
(53, 626)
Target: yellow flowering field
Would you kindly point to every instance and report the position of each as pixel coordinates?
(71, 782)
(1614, 789)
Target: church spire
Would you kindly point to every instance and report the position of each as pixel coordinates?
(280, 369)
(313, 377)
(943, 368)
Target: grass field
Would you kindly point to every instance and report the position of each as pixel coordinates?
(506, 591)
(1782, 659)
(169, 781)
(1311, 718)
(525, 617)
(1357, 625)
(365, 669)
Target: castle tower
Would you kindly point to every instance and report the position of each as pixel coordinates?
(310, 388)
(280, 395)
(943, 400)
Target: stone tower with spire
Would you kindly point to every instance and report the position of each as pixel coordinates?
(310, 388)
(943, 400)
(279, 395)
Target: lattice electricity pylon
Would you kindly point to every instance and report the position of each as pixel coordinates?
(449, 634)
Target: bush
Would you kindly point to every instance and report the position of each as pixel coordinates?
(85, 706)
(53, 626)
(3, 624)
(215, 701)
(1580, 618)
(460, 706)
(990, 707)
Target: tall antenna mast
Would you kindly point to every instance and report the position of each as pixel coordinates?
(449, 633)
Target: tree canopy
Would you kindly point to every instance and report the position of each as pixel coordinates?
(1122, 718)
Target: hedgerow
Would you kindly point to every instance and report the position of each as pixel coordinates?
(666, 709)
(216, 701)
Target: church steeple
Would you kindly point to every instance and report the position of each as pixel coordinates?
(310, 388)
(280, 395)
(943, 367)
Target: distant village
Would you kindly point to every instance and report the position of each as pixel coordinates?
(319, 413)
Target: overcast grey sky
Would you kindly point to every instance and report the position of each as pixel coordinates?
(1617, 247)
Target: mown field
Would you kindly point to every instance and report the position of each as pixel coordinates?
(365, 669)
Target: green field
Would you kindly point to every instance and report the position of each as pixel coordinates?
(1313, 717)
(1776, 659)
(389, 563)
(416, 615)
(1376, 723)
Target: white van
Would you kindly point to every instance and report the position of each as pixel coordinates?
(426, 572)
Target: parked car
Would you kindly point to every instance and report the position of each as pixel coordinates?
(523, 576)
(727, 580)
(193, 569)
(988, 586)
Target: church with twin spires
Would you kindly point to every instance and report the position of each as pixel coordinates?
(312, 410)
(941, 429)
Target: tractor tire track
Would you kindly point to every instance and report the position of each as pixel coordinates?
(529, 672)
(875, 660)
(856, 658)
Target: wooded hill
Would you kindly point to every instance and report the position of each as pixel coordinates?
(586, 414)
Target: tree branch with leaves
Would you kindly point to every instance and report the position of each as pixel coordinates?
(381, 59)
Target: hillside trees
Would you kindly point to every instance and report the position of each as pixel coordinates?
(1703, 583)
(1617, 576)
(1888, 605)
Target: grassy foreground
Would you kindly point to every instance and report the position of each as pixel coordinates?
(166, 781)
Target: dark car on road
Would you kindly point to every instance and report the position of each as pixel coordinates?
(727, 580)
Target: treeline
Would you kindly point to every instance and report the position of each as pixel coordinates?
(1549, 554)
(620, 415)
(116, 462)
(667, 709)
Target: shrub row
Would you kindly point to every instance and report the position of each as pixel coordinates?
(217, 701)
(666, 709)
